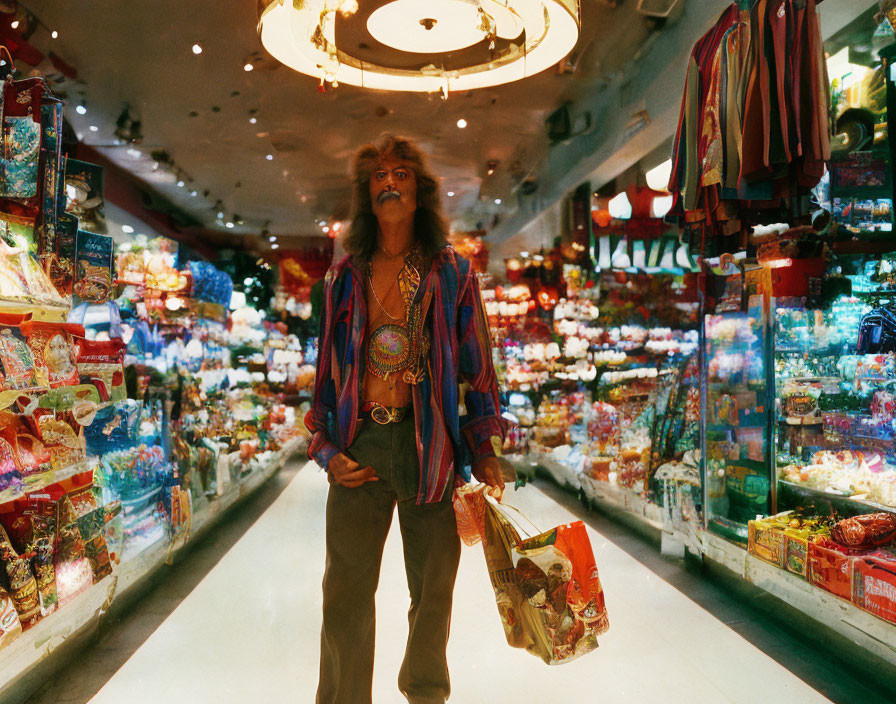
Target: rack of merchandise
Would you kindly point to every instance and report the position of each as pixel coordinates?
(599, 381)
(127, 425)
(774, 453)
(798, 465)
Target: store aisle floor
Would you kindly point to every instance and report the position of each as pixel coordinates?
(248, 631)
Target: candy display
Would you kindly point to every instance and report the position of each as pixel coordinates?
(608, 391)
(131, 403)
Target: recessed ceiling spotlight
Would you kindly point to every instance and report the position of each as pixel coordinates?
(270, 157)
(275, 246)
(273, 238)
(14, 24)
(94, 128)
(54, 34)
(197, 49)
(322, 223)
(253, 120)
(248, 67)
(497, 201)
(451, 194)
(135, 153)
(180, 184)
(229, 225)
(194, 193)
(127, 229)
(325, 229)
(461, 123)
(81, 109)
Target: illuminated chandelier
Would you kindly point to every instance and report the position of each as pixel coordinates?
(419, 45)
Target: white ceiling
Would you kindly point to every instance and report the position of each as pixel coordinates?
(140, 53)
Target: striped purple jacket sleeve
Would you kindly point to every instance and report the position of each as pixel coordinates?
(485, 428)
(320, 448)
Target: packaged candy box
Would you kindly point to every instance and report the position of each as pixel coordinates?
(767, 540)
(797, 538)
(874, 584)
(830, 566)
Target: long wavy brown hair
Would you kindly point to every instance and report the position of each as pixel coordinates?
(430, 226)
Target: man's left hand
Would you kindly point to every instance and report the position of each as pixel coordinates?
(488, 471)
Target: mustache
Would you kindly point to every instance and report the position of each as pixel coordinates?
(386, 194)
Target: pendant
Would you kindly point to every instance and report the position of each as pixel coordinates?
(389, 350)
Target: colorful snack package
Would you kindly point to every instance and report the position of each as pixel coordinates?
(34, 531)
(61, 266)
(63, 443)
(101, 363)
(867, 531)
(32, 453)
(16, 360)
(22, 584)
(94, 267)
(73, 571)
(53, 351)
(10, 625)
(83, 508)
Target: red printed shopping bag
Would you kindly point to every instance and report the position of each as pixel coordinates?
(547, 587)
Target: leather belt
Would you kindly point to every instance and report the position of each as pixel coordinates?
(383, 414)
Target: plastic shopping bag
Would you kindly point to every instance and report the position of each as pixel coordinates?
(547, 587)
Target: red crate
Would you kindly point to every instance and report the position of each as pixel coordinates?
(829, 566)
(874, 584)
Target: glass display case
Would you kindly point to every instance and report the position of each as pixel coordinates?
(835, 388)
(736, 463)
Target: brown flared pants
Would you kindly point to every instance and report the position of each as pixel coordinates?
(358, 522)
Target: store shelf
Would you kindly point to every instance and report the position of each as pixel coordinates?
(36, 482)
(76, 619)
(79, 618)
(559, 472)
(607, 495)
(810, 493)
(865, 630)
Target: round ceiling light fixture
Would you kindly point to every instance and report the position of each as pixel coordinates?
(420, 45)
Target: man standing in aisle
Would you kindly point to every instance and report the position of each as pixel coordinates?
(402, 327)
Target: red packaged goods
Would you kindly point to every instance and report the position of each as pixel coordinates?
(32, 527)
(101, 363)
(74, 572)
(53, 351)
(22, 584)
(869, 531)
(829, 566)
(874, 584)
(547, 587)
(10, 626)
(16, 360)
(61, 441)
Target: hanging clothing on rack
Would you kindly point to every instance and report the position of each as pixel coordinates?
(785, 126)
(753, 126)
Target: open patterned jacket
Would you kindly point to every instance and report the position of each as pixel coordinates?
(460, 351)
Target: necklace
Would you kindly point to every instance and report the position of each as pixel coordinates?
(395, 255)
(378, 301)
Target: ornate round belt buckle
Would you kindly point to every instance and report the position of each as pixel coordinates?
(381, 415)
